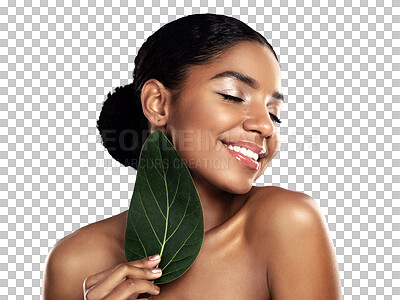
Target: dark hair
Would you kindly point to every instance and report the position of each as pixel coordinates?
(166, 56)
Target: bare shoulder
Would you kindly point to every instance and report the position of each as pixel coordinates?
(270, 205)
(87, 251)
(292, 237)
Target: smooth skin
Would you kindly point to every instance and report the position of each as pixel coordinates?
(259, 243)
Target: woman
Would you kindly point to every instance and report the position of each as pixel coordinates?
(212, 85)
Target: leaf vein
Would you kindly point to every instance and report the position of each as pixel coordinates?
(159, 151)
(138, 254)
(148, 220)
(140, 240)
(154, 197)
(176, 190)
(184, 215)
(183, 244)
(167, 218)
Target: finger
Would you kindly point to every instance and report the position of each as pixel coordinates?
(120, 274)
(132, 288)
(93, 279)
(148, 262)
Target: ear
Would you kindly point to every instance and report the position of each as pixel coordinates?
(155, 99)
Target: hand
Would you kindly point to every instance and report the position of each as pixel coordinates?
(126, 281)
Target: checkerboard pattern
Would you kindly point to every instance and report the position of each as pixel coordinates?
(340, 138)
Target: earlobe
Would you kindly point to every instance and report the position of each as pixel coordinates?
(155, 100)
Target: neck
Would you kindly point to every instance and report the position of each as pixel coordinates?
(218, 206)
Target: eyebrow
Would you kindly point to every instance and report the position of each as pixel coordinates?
(278, 96)
(251, 82)
(239, 76)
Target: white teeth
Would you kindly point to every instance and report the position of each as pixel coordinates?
(249, 153)
(244, 151)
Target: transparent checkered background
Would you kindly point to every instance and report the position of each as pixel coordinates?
(340, 137)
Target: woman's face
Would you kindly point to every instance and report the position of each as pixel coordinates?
(203, 122)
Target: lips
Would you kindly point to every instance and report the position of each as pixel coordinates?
(243, 156)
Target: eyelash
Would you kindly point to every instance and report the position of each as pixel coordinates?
(233, 98)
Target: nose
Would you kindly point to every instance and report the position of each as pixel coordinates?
(258, 120)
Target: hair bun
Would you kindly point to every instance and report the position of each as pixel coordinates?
(123, 126)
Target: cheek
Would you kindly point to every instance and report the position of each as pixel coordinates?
(206, 118)
(205, 115)
(275, 144)
(189, 128)
(277, 139)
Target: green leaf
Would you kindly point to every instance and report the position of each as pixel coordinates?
(165, 214)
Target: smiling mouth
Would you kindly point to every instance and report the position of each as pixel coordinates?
(247, 152)
(244, 156)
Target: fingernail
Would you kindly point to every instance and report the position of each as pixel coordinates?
(156, 271)
(157, 289)
(154, 257)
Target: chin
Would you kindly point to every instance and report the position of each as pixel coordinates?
(238, 188)
(241, 191)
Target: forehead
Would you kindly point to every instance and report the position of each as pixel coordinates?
(251, 58)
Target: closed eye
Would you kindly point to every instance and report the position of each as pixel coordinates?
(230, 97)
(275, 118)
(237, 99)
